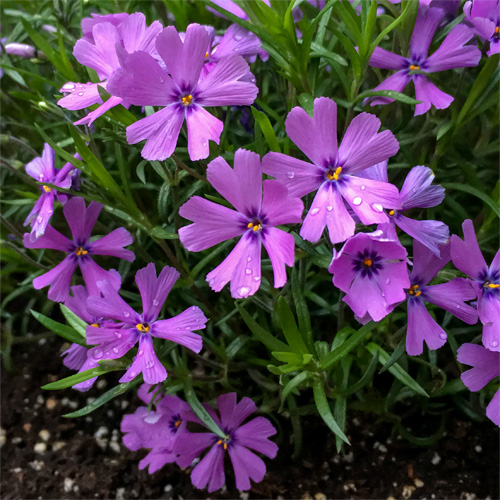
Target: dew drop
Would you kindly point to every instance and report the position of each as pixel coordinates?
(314, 211)
(68, 87)
(363, 188)
(98, 354)
(115, 350)
(155, 302)
(244, 291)
(204, 144)
(329, 208)
(133, 374)
(150, 364)
(39, 219)
(290, 174)
(177, 329)
(80, 93)
(494, 343)
(249, 259)
(443, 335)
(162, 80)
(256, 278)
(126, 314)
(458, 307)
(383, 294)
(387, 281)
(141, 352)
(238, 37)
(248, 271)
(188, 328)
(377, 207)
(357, 200)
(118, 335)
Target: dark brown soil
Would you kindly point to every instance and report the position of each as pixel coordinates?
(45, 456)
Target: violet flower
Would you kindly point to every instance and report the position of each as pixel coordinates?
(143, 82)
(484, 15)
(373, 274)
(332, 168)
(416, 192)
(240, 439)
(485, 367)
(260, 206)
(157, 429)
(81, 220)
(467, 257)
(449, 296)
(452, 54)
(113, 344)
(99, 54)
(42, 170)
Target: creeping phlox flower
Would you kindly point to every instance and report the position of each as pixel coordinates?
(80, 250)
(97, 50)
(416, 192)
(373, 274)
(113, 343)
(485, 367)
(42, 170)
(142, 81)
(76, 357)
(156, 430)
(484, 15)
(260, 207)
(332, 168)
(449, 296)
(452, 54)
(467, 257)
(239, 440)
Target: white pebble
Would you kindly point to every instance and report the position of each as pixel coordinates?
(68, 484)
(40, 448)
(44, 435)
(478, 449)
(115, 446)
(120, 494)
(435, 459)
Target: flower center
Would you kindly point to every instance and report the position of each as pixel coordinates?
(414, 67)
(187, 99)
(487, 284)
(333, 175)
(143, 327)
(46, 189)
(414, 291)
(207, 54)
(81, 251)
(255, 226)
(391, 212)
(224, 441)
(367, 263)
(496, 35)
(96, 325)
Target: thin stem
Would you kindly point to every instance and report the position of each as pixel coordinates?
(189, 170)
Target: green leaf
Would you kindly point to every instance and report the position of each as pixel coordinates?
(289, 326)
(396, 370)
(63, 331)
(293, 383)
(271, 342)
(292, 358)
(200, 412)
(347, 346)
(365, 379)
(163, 233)
(81, 377)
(391, 26)
(307, 102)
(398, 352)
(478, 194)
(325, 411)
(103, 399)
(392, 94)
(74, 321)
(267, 129)
(302, 311)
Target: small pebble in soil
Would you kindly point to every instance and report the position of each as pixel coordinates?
(37, 465)
(320, 496)
(435, 459)
(244, 495)
(418, 483)
(17, 440)
(408, 491)
(58, 445)
(3, 438)
(478, 449)
(27, 427)
(115, 447)
(44, 435)
(68, 484)
(120, 494)
(51, 403)
(168, 488)
(40, 448)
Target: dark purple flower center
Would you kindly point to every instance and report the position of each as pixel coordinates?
(175, 423)
(227, 441)
(333, 173)
(367, 263)
(255, 225)
(490, 281)
(186, 99)
(80, 251)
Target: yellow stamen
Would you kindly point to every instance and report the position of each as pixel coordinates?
(391, 212)
(206, 54)
(46, 189)
(143, 328)
(81, 251)
(255, 226)
(250, 224)
(413, 67)
(493, 285)
(414, 290)
(179, 422)
(186, 100)
(95, 324)
(225, 446)
(497, 29)
(219, 442)
(367, 262)
(335, 175)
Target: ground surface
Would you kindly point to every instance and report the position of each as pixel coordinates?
(49, 457)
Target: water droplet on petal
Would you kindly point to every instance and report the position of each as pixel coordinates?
(458, 307)
(249, 259)
(115, 350)
(204, 144)
(150, 364)
(256, 278)
(133, 374)
(357, 200)
(290, 174)
(177, 329)
(383, 294)
(329, 208)
(98, 354)
(238, 37)
(126, 314)
(141, 352)
(494, 343)
(118, 335)
(155, 302)
(80, 93)
(387, 281)
(244, 291)
(39, 219)
(377, 207)
(314, 211)
(443, 335)
(248, 271)
(363, 188)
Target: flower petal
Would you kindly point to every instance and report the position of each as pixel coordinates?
(485, 365)
(429, 94)
(233, 413)
(113, 243)
(191, 446)
(156, 459)
(136, 35)
(93, 273)
(398, 81)
(417, 190)
(93, 115)
(81, 219)
(280, 247)
(42, 168)
(426, 25)
(246, 465)
(254, 435)
(278, 207)
(51, 238)
(426, 264)
(202, 127)
(210, 470)
(382, 58)
(80, 95)
(58, 278)
(466, 254)
(493, 409)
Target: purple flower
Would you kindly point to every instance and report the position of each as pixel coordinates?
(240, 439)
(448, 296)
(485, 367)
(260, 206)
(416, 192)
(98, 52)
(76, 357)
(20, 49)
(113, 344)
(467, 257)
(42, 170)
(81, 220)
(157, 429)
(453, 53)
(484, 15)
(373, 274)
(143, 82)
(332, 168)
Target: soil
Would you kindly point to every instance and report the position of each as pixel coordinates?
(49, 457)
